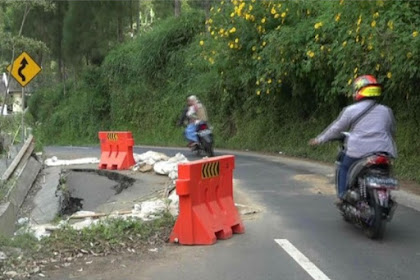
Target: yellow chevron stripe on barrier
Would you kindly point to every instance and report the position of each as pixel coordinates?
(112, 136)
(210, 170)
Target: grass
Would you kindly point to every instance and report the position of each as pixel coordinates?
(108, 236)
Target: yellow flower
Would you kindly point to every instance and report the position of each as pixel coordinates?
(250, 8)
(201, 43)
(415, 34)
(273, 11)
(389, 75)
(210, 21)
(359, 21)
(377, 67)
(344, 43)
(322, 47)
(341, 2)
(357, 38)
(373, 24)
(390, 24)
(232, 14)
(318, 25)
(349, 81)
(370, 47)
(259, 58)
(212, 33)
(310, 53)
(316, 37)
(264, 43)
(258, 92)
(267, 91)
(237, 40)
(263, 20)
(376, 15)
(380, 3)
(409, 55)
(269, 81)
(257, 83)
(355, 70)
(232, 30)
(254, 48)
(218, 10)
(337, 17)
(283, 15)
(276, 15)
(231, 45)
(308, 12)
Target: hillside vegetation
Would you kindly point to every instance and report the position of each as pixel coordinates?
(272, 74)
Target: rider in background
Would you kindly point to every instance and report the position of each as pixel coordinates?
(194, 113)
(371, 127)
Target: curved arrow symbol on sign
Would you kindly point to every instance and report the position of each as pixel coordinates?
(23, 64)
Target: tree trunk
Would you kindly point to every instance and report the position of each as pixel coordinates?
(177, 8)
(138, 17)
(206, 6)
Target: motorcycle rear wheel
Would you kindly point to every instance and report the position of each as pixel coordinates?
(208, 148)
(377, 228)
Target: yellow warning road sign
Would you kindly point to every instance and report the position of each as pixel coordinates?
(24, 69)
(211, 169)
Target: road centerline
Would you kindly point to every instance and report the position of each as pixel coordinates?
(302, 260)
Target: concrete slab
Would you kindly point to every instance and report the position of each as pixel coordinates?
(46, 203)
(7, 219)
(24, 182)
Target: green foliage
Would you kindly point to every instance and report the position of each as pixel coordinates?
(272, 74)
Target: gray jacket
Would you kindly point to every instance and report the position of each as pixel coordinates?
(373, 133)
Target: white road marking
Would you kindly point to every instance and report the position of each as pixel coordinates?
(303, 261)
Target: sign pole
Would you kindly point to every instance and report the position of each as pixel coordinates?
(23, 115)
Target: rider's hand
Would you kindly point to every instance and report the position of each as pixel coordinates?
(313, 142)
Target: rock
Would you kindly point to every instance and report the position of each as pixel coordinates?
(146, 168)
(11, 273)
(23, 221)
(2, 256)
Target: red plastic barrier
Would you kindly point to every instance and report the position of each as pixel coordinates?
(116, 150)
(207, 211)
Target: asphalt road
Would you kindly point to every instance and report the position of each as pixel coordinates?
(297, 198)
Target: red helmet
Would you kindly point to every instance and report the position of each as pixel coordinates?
(366, 86)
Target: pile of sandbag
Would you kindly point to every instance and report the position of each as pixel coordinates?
(159, 162)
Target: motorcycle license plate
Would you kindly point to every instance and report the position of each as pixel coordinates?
(205, 132)
(378, 182)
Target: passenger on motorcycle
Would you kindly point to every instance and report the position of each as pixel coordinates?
(194, 113)
(371, 127)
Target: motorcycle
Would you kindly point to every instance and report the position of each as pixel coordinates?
(368, 202)
(205, 140)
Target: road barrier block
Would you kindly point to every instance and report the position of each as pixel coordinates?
(116, 150)
(207, 211)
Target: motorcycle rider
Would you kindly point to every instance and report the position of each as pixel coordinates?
(372, 128)
(195, 112)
